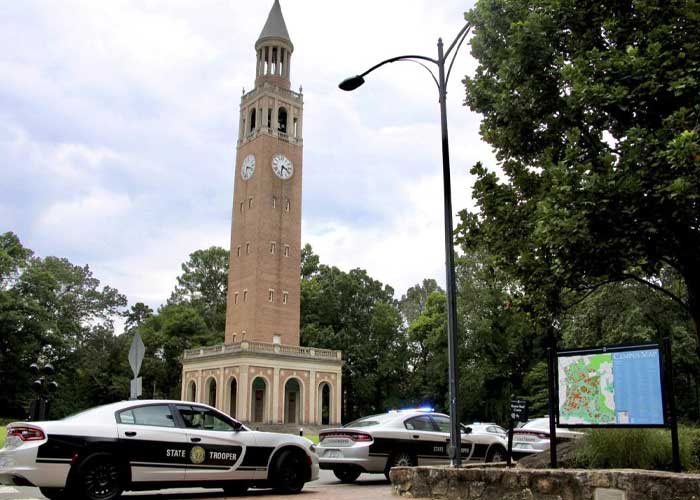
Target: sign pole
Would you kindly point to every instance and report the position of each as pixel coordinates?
(552, 409)
(510, 442)
(671, 398)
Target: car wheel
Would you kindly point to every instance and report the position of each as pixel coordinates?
(400, 458)
(236, 488)
(496, 454)
(347, 474)
(99, 477)
(289, 472)
(54, 493)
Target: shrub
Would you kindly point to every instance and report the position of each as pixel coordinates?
(638, 449)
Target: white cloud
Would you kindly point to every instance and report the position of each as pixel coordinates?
(118, 132)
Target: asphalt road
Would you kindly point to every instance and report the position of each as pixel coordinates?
(368, 486)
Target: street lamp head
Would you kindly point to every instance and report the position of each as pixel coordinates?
(351, 83)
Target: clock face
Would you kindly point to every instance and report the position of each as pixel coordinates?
(282, 166)
(248, 167)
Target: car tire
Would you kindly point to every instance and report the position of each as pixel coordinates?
(400, 458)
(54, 493)
(99, 477)
(289, 473)
(236, 488)
(347, 474)
(496, 454)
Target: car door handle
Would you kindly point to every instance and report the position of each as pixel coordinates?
(415, 436)
(130, 433)
(195, 440)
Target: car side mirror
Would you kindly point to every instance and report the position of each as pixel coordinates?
(466, 430)
(237, 426)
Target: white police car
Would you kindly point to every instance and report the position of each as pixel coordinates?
(399, 438)
(141, 445)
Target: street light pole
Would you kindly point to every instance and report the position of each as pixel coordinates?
(351, 84)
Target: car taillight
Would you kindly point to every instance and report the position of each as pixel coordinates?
(543, 436)
(354, 436)
(26, 433)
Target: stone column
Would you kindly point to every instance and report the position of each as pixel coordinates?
(312, 417)
(337, 415)
(276, 417)
(243, 408)
(220, 391)
(200, 389)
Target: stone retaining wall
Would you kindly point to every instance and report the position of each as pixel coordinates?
(489, 483)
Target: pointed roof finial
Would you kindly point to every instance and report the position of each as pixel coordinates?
(275, 26)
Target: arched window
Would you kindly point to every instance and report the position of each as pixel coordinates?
(258, 397)
(282, 120)
(192, 391)
(325, 400)
(233, 397)
(211, 392)
(292, 402)
(252, 119)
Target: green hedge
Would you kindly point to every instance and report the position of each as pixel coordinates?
(638, 449)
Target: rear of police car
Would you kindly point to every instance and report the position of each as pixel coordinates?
(18, 459)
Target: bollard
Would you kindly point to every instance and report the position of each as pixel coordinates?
(301, 431)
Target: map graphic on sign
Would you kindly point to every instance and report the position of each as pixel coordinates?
(618, 387)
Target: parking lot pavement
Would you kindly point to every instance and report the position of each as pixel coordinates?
(367, 486)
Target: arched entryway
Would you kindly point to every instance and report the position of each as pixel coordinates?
(258, 398)
(232, 396)
(210, 392)
(324, 403)
(191, 391)
(292, 402)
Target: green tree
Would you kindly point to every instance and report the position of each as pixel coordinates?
(203, 283)
(50, 311)
(167, 335)
(501, 344)
(427, 336)
(413, 302)
(136, 316)
(351, 312)
(592, 110)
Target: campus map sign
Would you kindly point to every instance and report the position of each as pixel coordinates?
(614, 386)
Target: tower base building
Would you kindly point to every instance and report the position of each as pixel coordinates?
(261, 374)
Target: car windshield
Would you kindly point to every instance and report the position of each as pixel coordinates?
(372, 420)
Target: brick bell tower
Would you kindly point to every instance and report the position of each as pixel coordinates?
(263, 287)
(260, 374)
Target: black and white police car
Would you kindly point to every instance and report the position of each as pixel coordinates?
(141, 445)
(399, 438)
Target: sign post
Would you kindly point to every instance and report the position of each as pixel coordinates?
(136, 354)
(519, 412)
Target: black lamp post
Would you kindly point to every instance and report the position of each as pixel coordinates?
(441, 81)
(43, 387)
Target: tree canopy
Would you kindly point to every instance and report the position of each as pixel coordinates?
(592, 110)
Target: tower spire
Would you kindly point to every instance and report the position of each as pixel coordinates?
(275, 27)
(274, 50)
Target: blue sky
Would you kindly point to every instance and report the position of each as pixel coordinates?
(118, 126)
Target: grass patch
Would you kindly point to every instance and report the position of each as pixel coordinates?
(638, 449)
(312, 437)
(3, 433)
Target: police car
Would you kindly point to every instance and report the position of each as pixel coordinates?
(399, 438)
(141, 445)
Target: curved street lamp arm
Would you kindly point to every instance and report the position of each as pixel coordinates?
(398, 58)
(461, 37)
(427, 69)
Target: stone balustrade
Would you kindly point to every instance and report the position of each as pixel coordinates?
(262, 348)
